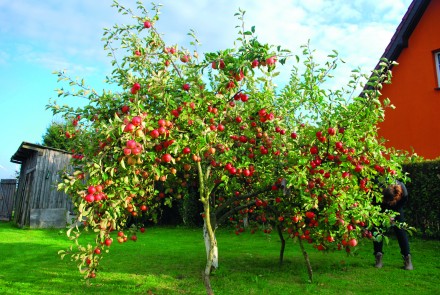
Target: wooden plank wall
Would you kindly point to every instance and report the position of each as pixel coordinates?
(7, 193)
(24, 190)
(38, 182)
(45, 195)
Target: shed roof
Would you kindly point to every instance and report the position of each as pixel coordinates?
(27, 148)
(405, 29)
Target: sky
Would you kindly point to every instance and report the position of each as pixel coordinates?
(40, 37)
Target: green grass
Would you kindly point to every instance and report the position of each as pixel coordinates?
(168, 260)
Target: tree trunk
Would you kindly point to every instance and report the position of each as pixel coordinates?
(246, 221)
(207, 283)
(207, 240)
(211, 249)
(306, 257)
(210, 220)
(283, 244)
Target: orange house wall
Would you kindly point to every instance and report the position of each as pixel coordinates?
(415, 123)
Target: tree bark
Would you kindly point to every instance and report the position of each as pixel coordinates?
(206, 238)
(208, 229)
(207, 283)
(306, 257)
(283, 244)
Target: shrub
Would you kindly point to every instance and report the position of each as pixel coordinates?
(423, 209)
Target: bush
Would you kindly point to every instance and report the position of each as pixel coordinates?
(423, 209)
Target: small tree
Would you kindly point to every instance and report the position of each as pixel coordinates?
(301, 158)
(55, 136)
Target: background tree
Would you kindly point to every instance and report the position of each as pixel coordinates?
(55, 136)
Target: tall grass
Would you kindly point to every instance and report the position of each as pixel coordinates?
(168, 260)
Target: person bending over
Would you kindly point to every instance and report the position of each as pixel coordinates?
(394, 198)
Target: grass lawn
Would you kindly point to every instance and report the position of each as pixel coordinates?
(168, 260)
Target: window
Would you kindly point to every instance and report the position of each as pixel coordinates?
(437, 67)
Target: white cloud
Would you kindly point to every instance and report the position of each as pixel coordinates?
(67, 33)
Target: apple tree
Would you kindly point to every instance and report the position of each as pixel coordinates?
(301, 158)
(334, 166)
(178, 122)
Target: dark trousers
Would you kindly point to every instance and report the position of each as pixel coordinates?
(402, 238)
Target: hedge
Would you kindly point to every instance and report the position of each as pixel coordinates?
(423, 208)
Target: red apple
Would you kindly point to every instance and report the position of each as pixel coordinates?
(90, 198)
(135, 88)
(129, 127)
(108, 242)
(131, 144)
(166, 158)
(161, 122)
(220, 127)
(352, 243)
(222, 64)
(154, 133)
(99, 188)
(91, 189)
(125, 109)
(184, 58)
(136, 121)
(147, 24)
(271, 60)
(310, 214)
(314, 150)
(331, 131)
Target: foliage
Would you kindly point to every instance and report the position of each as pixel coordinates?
(423, 208)
(55, 136)
(300, 158)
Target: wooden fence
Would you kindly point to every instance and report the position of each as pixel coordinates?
(7, 193)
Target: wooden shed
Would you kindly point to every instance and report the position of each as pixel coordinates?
(37, 203)
(7, 193)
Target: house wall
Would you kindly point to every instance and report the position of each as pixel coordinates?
(415, 123)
